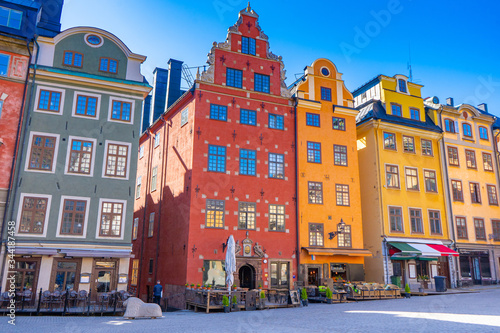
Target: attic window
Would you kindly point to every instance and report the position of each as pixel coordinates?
(402, 86)
(325, 71)
(93, 40)
(10, 18)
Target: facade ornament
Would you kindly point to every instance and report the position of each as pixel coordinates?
(257, 249)
(237, 248)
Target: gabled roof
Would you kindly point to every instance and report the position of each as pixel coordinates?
(374, 109)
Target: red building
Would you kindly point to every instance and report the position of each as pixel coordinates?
(220, 162)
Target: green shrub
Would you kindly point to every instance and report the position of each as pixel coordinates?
(262, 294)
(303, 294)
(235, 300)
(407, 289)
(225, 300)
(329, 293)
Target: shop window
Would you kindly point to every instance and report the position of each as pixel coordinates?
(66, 274)
(135, 272)
(422, 268)
(465, 266)
(485, 267)
(214, 273)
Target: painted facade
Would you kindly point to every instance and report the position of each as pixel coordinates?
(328, 178)
(403, 200)
(73, 201)
(222, 164)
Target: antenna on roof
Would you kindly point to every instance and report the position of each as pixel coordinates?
(409, 63)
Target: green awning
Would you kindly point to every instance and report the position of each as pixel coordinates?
(402, 258)
(427, 259)
(405, 248)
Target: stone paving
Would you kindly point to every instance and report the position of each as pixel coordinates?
(467, 312)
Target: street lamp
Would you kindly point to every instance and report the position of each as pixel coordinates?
(340, 229)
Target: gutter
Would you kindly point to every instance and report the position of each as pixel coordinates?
(297, 245)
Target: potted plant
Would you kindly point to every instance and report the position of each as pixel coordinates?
(424, 281)
(235, 303)
(329, 295)
(303, 295)
(260, 286)
(262, 299)
(198, 286)
(407, 291)
(225, 303)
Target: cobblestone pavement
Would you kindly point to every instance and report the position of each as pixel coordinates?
(473, 312)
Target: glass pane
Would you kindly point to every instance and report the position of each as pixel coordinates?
(66, 265)
(103, 281)
(104, 264)
(70, 280)
(284, 274)
(59, 282)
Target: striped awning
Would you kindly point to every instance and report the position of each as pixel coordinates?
(426, 250)
(444, 250)
(405, 248)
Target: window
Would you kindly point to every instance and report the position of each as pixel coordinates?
(248, 45)
(483, 133)
(487, 162)
(470, 158)
(65, 274)
(33, 215)
(276, 121)
(121, 111)
(234, 78)
(214, 218)
(492, 195)
(73, 217)
(342, 194)
(396, 109)
(135, 272)
(326, 94)
(184, 116)
(218, 112)
(396, 219)
(86, 106)
(479, 228)
(216, 158)
(276, 218)
(141, 151)
(392, 176)
(411, 179)
(475, 194)
(108, 65)
(415, 114)
(312, 119)
(496, 230)
(42, 153)
(151, 224)
(4, 64)
(135, 229)
(422, 268)
(138, 187)
(111, 219)
(246, 215)
(279, 273)
(276, 166)
(340, 155)
(390, 141)
(154, 176)
(315, 234)
(80, 159)
(315, 192)
(467, 129)
(157, 140)
(426, 147)
(456, 187)
(248, 117)
(435, 222)
(344, 237)
(49, 100)
(10, 18)
(453, 156)
(116, 161)
(408, 144)
(73, 59)
(151, 266)
(449, 126)
(261, 83)
(313, 152)
(416, 221)
(338, 123)
(1, 106)
(402, 86)
(430, 181)
(248, 159)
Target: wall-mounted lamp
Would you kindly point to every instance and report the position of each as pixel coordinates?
(340, 229)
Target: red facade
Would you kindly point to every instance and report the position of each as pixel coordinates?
(202, 197)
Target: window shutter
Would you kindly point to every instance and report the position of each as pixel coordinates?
(456, 126)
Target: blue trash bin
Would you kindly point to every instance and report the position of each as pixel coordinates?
(440, 282)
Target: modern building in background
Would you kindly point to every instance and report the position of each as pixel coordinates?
(472, 188)
(329, 217)
(73, 194)
(402, 194)
(219, 162)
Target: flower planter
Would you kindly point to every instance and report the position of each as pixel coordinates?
(329, 301)
(235, 307)
(227, 309)
(305, 302)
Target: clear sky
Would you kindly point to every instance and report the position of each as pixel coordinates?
(455, 45)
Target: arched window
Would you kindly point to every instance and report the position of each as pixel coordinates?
(449, 126)
(402, 86)
(467, 129)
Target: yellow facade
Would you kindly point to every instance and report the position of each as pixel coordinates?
(327, 157)
(403, 197)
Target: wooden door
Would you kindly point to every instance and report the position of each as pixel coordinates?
(444, 270)
(104, 276)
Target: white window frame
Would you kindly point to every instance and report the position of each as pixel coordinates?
(141, 152)
(56, 150)
(157, 139)
(400, 77)
(151, 221)
(138, 184)
(135, 226)
(99, 215)
(185, 112)
(20, 211)
(120, 99)
(68, 156)
(105, 159)
(97, 109)
(61, 209)
(61, 103)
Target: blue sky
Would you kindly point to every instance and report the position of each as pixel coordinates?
(455, 45)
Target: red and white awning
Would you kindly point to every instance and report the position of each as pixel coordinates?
(444, 250)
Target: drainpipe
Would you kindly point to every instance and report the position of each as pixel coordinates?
(297, 246)
(497, 160)
(19, 143)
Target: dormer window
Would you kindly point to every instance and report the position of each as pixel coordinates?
(415, 114)
(402, 86)
(248, 45)
(108, 65)
(73, 59)
(396, 109)
(10, 18)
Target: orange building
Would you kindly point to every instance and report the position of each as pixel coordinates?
(329, 216)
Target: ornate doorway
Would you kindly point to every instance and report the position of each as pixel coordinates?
(246, 275)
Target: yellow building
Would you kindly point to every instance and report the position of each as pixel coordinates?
(329, 203)
(403, 200)
(472, 184)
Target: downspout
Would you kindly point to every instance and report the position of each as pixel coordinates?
(497, 160)
(18, 143)
(297, 245)
(163, 170)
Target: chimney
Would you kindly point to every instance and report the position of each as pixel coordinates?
(483, 107)
(449, 101)
(159, 94)
(174, 81)
(49, 24)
